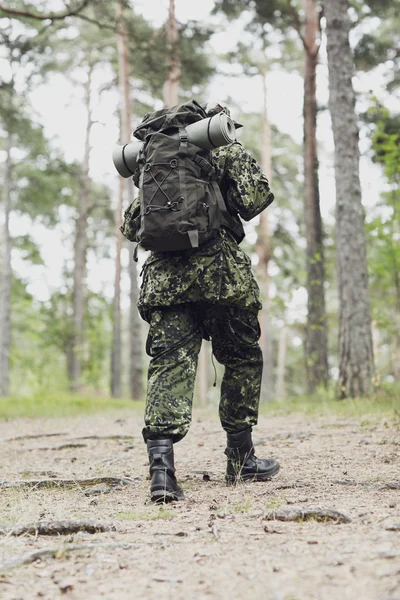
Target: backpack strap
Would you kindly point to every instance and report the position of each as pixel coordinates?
(183, 153)
(205, 165)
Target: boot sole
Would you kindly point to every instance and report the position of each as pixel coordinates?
(165, 496)
(253, 477)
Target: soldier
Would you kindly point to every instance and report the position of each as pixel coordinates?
(207, 293)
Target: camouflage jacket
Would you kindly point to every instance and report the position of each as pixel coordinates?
(219, 270)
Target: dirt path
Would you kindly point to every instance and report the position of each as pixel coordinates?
(217, 543)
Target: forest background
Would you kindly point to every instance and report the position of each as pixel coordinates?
(307, 81)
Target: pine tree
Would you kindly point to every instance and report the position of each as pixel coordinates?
(356, 363)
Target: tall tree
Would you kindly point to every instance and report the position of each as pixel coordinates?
(316, 335)
(263, 248)
(135, 365)
(80, 249)
(17, 130)
(171, 86)
(356, 363)
(5, 292)
(302, 17)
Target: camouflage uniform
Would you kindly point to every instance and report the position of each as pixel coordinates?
(209, 293)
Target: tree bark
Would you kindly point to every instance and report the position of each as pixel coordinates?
(356, 363)
(80, 250)
(263, 249)
(135, 368)
(171, 86)
(116, 351)
(5, 296)
(316, 335)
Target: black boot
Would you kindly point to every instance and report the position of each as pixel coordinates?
(243, 465)
(164, 487)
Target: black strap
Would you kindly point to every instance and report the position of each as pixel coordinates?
(182, 153)
(205, 165)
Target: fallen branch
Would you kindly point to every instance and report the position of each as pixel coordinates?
(349, 482)
(31, 436)
(56, 528)
(65, 446)
(385, 485)
(307, 514)
(38, 484)
(390, 485)
(111, 460)
(62, 551)
(393, 527)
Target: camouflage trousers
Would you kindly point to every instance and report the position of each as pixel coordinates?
(174, 342)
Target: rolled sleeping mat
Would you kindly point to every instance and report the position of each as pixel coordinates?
(125, 157)
(213, 132)
(209, 133)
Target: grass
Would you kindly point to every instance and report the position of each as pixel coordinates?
(274, 504)
(61, 404)
(153, 514)
(324, 403)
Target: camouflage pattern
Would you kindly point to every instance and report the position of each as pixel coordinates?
(210, 293)
(174, 342)
(219, 270)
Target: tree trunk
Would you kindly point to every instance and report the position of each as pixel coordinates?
(356, 363)
(171, 86)
(116, 351)
(316, 336)
(80, 250)
(263, 249)
(280, 376)
(5, 297)
(135, 368)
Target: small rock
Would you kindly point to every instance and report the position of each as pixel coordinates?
(66, 586)
(93, 502)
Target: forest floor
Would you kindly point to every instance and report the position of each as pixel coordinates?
(219, 542)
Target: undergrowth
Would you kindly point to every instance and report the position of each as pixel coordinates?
(385, 401)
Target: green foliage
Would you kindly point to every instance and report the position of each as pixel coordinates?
(386, 142)
(277, 13)
(149, 59)
(28, 249)
(379, 44)
(383, 230)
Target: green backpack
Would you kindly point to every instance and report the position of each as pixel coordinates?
(180, 203)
